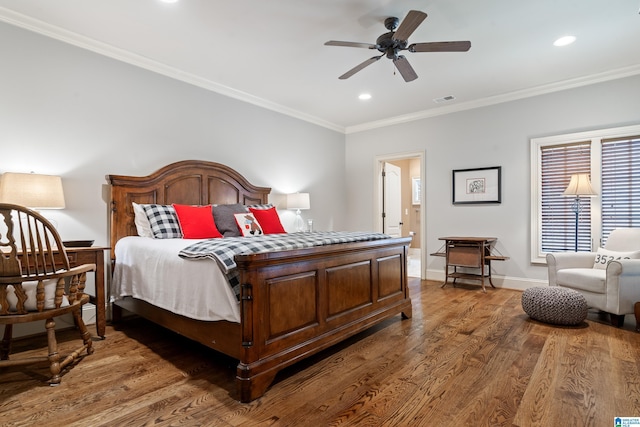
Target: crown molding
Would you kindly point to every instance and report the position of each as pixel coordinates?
(498, 99)
(105, 49)
(52, 31)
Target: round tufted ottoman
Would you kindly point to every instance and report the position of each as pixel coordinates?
(559, 306)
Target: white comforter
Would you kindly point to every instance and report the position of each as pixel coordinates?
(151, 270)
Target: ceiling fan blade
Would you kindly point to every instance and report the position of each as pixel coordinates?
(405, 69)
(409, 24)
(359, 67)
(461, 46)
(350, 44)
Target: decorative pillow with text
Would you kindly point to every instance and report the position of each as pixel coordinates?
(604, 256)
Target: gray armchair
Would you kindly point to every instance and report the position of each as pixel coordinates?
(614, 287)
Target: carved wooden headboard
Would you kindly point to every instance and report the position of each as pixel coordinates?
(189, 182)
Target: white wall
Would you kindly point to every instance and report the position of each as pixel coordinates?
(70, 112)
(67, 111)
(491, 136)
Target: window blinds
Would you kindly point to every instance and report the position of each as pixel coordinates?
(620, 193)
(558, 163)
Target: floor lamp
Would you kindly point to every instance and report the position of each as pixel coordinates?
(579, 186)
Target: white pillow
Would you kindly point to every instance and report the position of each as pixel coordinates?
(30, 289)
(142, 222)
(603, 256)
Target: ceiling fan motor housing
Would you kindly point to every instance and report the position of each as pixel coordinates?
(387, 44)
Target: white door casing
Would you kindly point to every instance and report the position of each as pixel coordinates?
(392, 200)
(378, 167)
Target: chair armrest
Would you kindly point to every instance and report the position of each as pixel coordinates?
(623, 285)
(84, 268)
(624, 267)
(561, 260)
(571, 259)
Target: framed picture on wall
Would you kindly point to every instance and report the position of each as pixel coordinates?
(481, 185)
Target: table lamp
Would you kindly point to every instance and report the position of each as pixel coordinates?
(32, 190)
(298, 201)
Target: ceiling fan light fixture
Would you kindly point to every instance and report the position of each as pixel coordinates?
(364, 96)
(564, 41)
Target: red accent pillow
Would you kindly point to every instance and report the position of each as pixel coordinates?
(196, 222)
(269, 220)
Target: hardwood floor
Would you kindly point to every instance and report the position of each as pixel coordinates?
(464, 359)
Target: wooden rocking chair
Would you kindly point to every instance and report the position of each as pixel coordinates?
(36, 283)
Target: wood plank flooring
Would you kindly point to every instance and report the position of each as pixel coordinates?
(464, 359)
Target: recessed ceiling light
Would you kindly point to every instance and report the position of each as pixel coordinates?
(563, 41)
(444, 99)
(169, 1)
(364, 96)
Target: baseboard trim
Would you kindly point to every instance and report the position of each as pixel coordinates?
(506, 282)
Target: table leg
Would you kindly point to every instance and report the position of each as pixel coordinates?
(489, 274)
(483, 263)
(446, 275)
(101, 321)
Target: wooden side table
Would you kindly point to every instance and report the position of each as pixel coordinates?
(469, 252)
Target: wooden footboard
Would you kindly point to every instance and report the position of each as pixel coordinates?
(296, 303)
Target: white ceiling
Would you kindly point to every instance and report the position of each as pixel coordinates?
(272, 53)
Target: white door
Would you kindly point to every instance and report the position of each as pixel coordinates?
(391, 200)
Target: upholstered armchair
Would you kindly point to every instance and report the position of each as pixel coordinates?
(609, 279)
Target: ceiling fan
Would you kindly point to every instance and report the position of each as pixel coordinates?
(395, 41)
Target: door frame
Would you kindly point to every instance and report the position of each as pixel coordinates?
(377, 199)
(392, 206)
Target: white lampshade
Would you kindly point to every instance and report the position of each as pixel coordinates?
(298, 201)
(32, 190)
(579, 186)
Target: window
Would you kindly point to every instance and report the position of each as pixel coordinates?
(558, 225)
(612, 159)
(620, 188)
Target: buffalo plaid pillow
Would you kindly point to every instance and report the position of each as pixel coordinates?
(163, 221)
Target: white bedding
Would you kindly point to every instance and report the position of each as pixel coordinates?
(151, 270)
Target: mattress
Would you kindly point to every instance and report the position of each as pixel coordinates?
(151, 270)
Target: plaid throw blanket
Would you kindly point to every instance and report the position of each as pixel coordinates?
(223, 251)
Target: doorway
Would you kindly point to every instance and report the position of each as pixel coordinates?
(399, 203)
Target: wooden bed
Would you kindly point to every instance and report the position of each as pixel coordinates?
(293, 303)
